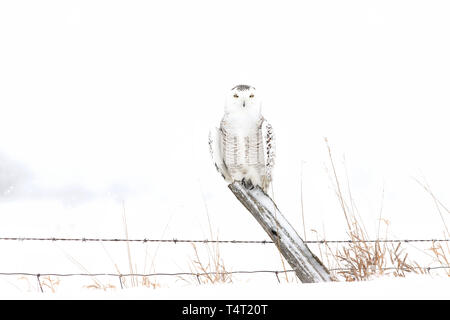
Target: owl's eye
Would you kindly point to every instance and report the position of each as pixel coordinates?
(236, 96)
(252, 95)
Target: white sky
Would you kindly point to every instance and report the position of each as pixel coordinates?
(112, 95)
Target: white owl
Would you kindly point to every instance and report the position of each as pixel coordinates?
(243, 148)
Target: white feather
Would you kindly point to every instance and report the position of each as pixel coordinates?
(243, 149)
(215, 149)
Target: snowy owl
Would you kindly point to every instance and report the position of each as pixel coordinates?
(243, 147)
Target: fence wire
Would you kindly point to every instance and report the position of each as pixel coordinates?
(175, 241)
(191, 273)
(178, 274)
(120, 276)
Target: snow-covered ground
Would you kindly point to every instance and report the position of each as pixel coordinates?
(105, 107)
(412, 288)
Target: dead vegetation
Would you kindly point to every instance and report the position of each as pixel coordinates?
(50, 282)
(209, 270)
(360, 258)
(133, 280)
(129, 279)
(441, 254)
(96, 284)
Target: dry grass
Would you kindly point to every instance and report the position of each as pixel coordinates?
(361, 259)
(96, 282)
(30, 287)
(286, 277)
(136, 281)
(441, 254)
(45, 283)
(100, 286)
(440, 207)
(129, 281)
(50, 283)
(210, 270)
(357, 260)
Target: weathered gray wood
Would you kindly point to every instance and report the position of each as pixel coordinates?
(307, 266)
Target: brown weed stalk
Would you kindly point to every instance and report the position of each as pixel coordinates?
(361, 259)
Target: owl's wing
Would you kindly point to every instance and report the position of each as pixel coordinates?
(268, 139)
(215, 148)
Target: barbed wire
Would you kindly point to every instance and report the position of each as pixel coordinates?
(175, 241)
(196, 275)
(139, 274)
(191, 273)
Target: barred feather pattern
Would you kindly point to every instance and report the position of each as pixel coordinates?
(269, 138)
(247, 156)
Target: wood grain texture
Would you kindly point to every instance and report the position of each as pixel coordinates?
(307, 266)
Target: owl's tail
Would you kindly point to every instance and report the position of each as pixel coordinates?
(267, 185)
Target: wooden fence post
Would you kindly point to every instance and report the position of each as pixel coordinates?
(306, 265)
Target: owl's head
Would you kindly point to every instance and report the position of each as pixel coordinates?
(243, 98)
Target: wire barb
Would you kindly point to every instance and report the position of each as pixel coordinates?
(39, 282)
(177, 274)
(175, 241)
(197, 275)
(120, 280)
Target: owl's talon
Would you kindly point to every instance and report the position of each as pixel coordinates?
(248, 184)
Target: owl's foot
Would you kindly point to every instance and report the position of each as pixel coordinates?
(248, 184)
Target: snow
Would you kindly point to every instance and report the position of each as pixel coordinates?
(105, 107)
(412, 288)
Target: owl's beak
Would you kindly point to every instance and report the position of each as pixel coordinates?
(243, 103)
